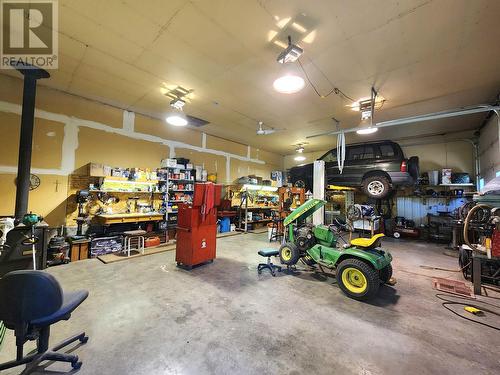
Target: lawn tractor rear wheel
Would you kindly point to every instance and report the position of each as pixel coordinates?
(357, 279)
(289, 254)
(385, 274)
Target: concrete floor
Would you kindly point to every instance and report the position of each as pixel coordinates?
(146, 316)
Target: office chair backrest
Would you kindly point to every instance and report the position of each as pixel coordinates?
(28, 295)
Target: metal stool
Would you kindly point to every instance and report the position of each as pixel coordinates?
(269, 265)
(132, 235)
(277, 227)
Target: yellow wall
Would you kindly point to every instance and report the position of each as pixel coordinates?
(71, 132)
(117, 150)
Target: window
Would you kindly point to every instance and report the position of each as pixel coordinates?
(361, 153)
(369, 152)
(331, 156)
(481, 183)
(386, 150)
(497, 174)
(356, 153)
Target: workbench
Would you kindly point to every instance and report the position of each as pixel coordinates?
(477, 260)
(108, 219)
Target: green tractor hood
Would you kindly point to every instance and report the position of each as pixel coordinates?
(304, 211)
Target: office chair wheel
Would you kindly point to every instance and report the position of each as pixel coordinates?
(76, 364)
(84, 339)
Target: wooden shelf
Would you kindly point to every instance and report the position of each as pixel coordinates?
(124, 180)
(260, 208)
(125, 191)
(470, 184)
(259, 221)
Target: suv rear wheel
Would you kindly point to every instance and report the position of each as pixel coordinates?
(376, 186)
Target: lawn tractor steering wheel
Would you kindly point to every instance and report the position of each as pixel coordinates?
(353, 212)
(337, 226)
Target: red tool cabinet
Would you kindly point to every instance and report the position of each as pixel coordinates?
(197, 226)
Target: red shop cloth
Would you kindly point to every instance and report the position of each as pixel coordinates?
(208, 200)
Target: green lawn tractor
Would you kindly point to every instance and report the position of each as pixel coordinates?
(361, 266)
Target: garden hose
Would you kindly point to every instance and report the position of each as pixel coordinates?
(466, 224)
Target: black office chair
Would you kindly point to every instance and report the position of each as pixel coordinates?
(30, 302)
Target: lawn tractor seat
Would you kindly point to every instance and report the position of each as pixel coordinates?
(368, 243)
(268, 253)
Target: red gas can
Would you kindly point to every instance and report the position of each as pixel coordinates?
(197, 226)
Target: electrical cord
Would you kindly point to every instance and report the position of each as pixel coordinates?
(447, 302)
(334, 90)
(445, 269)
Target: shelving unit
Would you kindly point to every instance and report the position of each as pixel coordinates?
(263, 199)
(171, 187)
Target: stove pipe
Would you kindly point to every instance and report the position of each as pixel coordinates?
(31, 75)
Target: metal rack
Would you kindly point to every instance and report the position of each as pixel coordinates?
(168, 181)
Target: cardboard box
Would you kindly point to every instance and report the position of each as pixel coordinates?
(169, 163)
(446, 176)
(96, 170)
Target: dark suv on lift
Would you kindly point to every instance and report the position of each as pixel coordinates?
(376, 167)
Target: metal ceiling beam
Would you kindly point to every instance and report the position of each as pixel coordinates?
(427, 117)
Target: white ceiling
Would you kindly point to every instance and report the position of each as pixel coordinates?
(421, 55)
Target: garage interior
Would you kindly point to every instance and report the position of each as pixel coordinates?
(250, 187)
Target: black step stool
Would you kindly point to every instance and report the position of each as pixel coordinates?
(269, 265)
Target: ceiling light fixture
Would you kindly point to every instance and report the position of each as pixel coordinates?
(291, 53)
(177, 104)
(177, 119)
(299, 158)
(300, 149)
(367, 108)
(368, 130)
(289, 84)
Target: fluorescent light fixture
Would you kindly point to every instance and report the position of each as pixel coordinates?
(177, 119)
(365, 104)
(289, 84)
(299, 158)
(281, 44)
(297, 26)
(369, 130)
(291, 53)
(271, 35)
(309, 38)
(260, 187)
(283, 22)
(177, 104)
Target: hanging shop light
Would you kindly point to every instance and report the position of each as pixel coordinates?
(177, 104)
(177, 119)
(299, 158)
(291, 53)
(367, 109)
(368, 130)
(289, 84)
